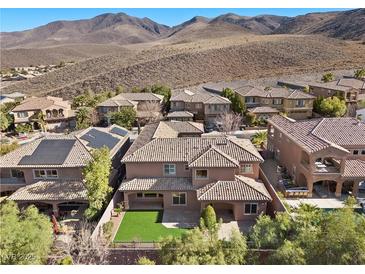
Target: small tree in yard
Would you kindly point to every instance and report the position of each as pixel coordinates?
(229, 121)
(208, 219)
(152, 111)
(260, 138)
(360, 73)
(238, 106)
(328, 77)
(4, 123)
(333, 107)
(85, 117)
(145, 261)
(124, 118)
(26, 236)
(96, 175)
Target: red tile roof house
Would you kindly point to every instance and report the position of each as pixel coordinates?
(202, 104)
(188, 173)
(48, 171)
(127, 100)
(57, 113)
(326, 155)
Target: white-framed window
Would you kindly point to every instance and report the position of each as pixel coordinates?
(278, 101)
(169, 169)
(16, 173)
(22, 114)
(299, 103)
(179, 198)
(201, 174)
(250, 208)
(247, 168)
(45, 173)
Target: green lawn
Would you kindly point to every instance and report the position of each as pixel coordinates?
(144, 226)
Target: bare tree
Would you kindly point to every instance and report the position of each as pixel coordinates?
(84, 250)
(150, 111)
(228, 121)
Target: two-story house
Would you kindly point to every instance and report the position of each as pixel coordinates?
(135, 100)
(203, 105)
(48, 172)
(265, 102)
(189, 173)
(324, 155)
(57, 113)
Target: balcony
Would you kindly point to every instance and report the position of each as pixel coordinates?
(326, 166)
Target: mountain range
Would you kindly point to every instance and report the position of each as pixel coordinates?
(122, 29)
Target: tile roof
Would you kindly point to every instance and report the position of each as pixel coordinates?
(36, 103)
(241, 189)
(352, 82)
(178, 114)
(70, 150)
(172, 129)
(317, 134)
(263, 110)
(187, 148)
(56, 190)
(130, 99)
(204, 97)
(273, 92)
(354, 168)
(77, 156)
(156, 184)
(213, 157)
(330, 85)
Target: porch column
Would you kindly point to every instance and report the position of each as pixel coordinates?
(355, 188)
(338, 189)
(310, 188)
(126, 201)
(55, 209)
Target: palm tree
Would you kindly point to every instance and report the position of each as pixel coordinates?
(260, 138)
(41, 120)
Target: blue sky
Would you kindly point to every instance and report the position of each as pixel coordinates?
(21, 19)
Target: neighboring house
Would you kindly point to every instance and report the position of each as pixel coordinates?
(295, 103)
(263, 112)
(17, 96)
(338, 88)
(180, 116)
(190, 173)
(57, 113)
(48, 171)
(203, 105)
(326, 155)
(4, 99)
(127, 100)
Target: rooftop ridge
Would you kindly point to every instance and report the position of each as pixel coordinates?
(255, 189)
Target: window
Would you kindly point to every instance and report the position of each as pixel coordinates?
(169, 169)
(179, 198)
(139, 195)
(198, 105)
(278, 101)
(201, 174)
(246, 168)
(355, 152)
(363, 152)
(16, 173)
(45, 173)
(22, 114)
(186, 167)
(250, 208)
(150, 195)
(299, 103)
(249, 100)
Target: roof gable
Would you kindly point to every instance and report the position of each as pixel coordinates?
(213, 157)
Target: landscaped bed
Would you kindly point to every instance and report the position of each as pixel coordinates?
(144, 226)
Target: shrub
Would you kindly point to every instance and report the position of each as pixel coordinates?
(145, 261)
(208, 218)
(67, 260)
(107, 230)
(6, 148)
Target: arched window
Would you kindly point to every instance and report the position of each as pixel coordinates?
(48, 113)
(60, 112)
(54, 113)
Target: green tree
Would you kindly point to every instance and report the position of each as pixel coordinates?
(165, 92)
(6, 148)
(4, 122)
(235, 249)
(96, 175)
(145, 261)
(288, 254)
(238, 106)
(119, 90)
(124, 118)
(83, 118)
(259, 138)
(333, 107)
(208, 218)
(26, 236)
(23, 128)
(360, 73)
(328, 77)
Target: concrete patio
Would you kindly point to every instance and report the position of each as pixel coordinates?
(180, 218)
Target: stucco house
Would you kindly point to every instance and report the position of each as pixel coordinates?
(57, 112)
(48, 171)
(325, 155)
(203, 105)
(134, 100)
(262, 102)
(189, 173)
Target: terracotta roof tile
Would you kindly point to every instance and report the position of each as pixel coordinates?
(156, 184)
